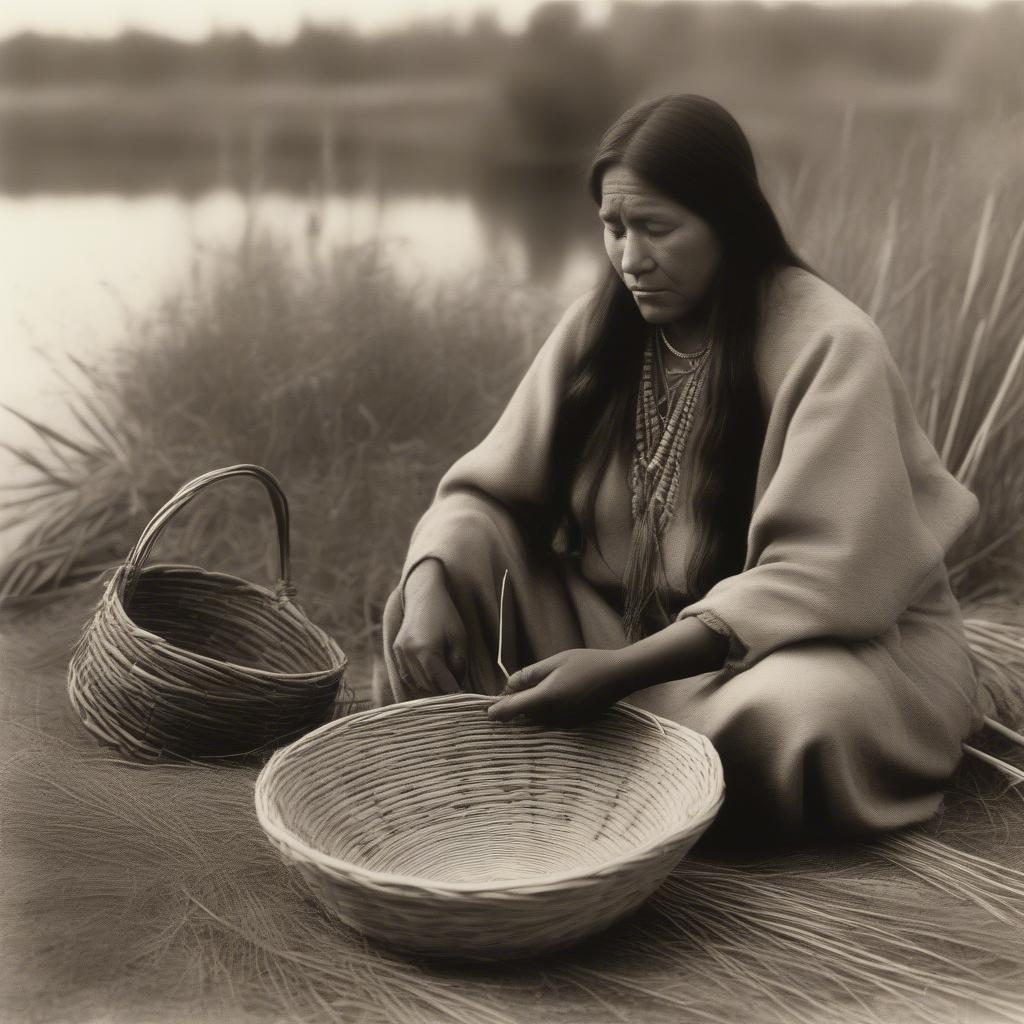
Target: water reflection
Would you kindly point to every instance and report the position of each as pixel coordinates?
(75, 261)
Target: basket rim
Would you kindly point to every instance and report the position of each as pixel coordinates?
(333, 649)
(321, 860)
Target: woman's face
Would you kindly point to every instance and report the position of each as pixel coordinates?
(664, 253)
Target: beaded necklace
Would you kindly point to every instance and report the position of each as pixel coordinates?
(661, 441)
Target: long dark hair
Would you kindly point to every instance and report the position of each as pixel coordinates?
(692, 150)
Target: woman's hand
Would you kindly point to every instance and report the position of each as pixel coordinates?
(430, 646)
(566, 689)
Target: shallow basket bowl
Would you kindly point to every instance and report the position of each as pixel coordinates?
(439, 832)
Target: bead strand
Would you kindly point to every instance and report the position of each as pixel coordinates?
(660, 456)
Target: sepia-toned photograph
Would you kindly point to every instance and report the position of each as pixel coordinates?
(512, 512)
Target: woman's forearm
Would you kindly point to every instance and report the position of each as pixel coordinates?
(681, 649)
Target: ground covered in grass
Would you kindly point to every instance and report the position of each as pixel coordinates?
(148, 893)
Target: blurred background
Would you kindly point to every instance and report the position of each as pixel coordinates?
(327, 238)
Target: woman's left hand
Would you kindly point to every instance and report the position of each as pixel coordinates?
(566, 689)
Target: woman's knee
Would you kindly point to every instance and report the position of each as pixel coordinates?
(823, 685)
(489, 540)
(809, 691)
(793, 734)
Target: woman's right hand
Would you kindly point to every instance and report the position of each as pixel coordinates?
(430, 646)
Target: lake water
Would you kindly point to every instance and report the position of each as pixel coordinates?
(78, 260)
(74, 263)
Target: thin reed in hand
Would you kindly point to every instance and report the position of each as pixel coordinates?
(501, 623)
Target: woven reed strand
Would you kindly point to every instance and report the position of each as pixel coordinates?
(455, 836)
(202, 665)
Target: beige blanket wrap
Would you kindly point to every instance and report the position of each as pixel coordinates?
(848, 687)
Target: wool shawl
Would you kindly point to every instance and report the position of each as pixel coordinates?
(853, 510)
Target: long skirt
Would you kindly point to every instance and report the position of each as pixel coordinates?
(819, 740)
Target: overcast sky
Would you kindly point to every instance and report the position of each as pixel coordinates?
(272, 19)
(277, 19)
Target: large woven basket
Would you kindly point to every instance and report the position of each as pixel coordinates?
(428, 826)
(184, 663)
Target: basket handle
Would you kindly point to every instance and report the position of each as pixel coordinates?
(140, 553)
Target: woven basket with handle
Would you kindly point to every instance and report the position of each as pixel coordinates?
(428, 826)
(182, 662)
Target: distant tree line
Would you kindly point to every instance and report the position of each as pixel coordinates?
(639, 41)
(536, 98)
(317, 53)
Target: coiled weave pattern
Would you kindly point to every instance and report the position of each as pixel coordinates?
(428, 826)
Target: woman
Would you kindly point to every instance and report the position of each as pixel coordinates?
(714, 502)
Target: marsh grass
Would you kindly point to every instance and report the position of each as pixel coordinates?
(358, 389)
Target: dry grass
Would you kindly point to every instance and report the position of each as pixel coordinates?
(148, 892)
